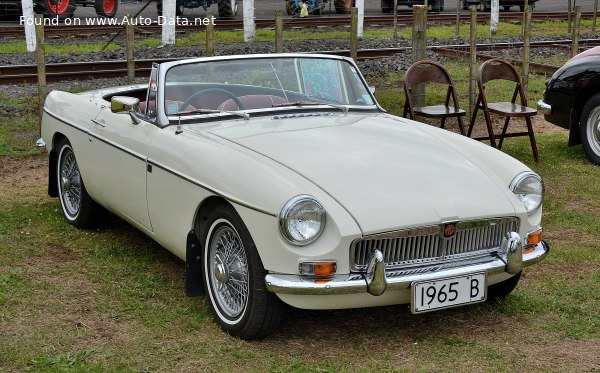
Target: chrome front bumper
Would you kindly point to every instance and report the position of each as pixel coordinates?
(544, 108)
(375, 281)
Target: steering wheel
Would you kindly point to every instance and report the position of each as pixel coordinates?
(208, 91)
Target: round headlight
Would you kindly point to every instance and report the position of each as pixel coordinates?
(302, 220)
(529, 189)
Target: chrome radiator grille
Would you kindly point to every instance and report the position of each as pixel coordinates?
(422, 246)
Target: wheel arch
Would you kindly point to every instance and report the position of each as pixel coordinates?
(194, 245)
(52, 157)
(575, 118)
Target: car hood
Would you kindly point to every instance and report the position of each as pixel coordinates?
(387, 172)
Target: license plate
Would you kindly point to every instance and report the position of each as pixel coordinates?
(448, 292)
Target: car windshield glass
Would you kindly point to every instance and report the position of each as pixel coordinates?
(277, 83)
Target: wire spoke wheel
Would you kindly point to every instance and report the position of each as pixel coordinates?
(69, 183)
(228, 271)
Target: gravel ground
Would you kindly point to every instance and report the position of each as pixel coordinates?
(373, 68)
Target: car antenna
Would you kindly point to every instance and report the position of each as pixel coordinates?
(178, 130)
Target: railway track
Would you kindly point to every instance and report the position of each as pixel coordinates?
(309, 22)
(18, 74)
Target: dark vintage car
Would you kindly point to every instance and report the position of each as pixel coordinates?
(572, 101)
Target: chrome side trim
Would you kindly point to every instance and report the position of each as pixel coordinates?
(198, 184)
(350, 284)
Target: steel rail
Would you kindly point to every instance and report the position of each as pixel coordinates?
(324, 21)
(18, 74)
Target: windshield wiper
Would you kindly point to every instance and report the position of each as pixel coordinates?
(211, 111)
(312, 103)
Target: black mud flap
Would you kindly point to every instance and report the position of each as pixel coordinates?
(574, 137)
(52, 183)
(193, 266)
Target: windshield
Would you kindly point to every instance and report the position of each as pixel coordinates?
(263, 83)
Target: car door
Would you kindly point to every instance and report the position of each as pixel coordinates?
(119, 150)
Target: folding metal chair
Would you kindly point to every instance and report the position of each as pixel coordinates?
(499, 69)
(426, 71)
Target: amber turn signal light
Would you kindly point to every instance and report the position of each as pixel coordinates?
(534, 238)
(321, 268)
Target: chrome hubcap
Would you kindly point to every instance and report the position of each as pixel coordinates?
(70, 183)
(228, 267)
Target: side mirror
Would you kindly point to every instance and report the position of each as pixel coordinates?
(123, 104)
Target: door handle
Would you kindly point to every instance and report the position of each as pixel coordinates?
(99, 122)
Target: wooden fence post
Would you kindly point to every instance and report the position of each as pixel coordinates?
(40, 60)
(395, 36)
(248, 18)
(353, 34)
(525, 57)
(569, 16)
(595, 13)
(210, 36)
(458, 5)
(575, 38)
(278, 32)
(473, 58)
(419, 52)
(129, 37)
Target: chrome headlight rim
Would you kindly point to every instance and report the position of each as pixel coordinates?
(284, 216)
(517, 182)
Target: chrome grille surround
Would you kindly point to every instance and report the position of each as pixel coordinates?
(426, 246)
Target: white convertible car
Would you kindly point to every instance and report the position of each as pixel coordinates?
(280, 180)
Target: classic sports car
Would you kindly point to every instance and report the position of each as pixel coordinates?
(280, 180)
(572, 101)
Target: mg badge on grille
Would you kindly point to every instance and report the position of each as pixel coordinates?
(449, 229)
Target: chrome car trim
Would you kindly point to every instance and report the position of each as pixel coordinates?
(41, 144)
(425, 245)
(375, 275)
(285, 211)
(350, 284)
(544, 108)
(522, 176)
(513, 249)
(228, 198)
(70, 124)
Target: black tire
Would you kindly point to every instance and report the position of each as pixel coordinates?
(340, 7)
(178, 9)
(506, 7)
(106, 8)
(227, 8)
(236, 291)
(465, 5)
(522, 8)
(387, 6)
(501, 290)
(288, 8)
(589, 129)
(62, 9)
(77, 206)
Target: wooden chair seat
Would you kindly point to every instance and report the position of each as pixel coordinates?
(438, 111)
(432, 72)
(510, 109)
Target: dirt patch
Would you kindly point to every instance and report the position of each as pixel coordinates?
(17, 173)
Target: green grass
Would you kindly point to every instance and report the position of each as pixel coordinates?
(68, 46)
(113, 300)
